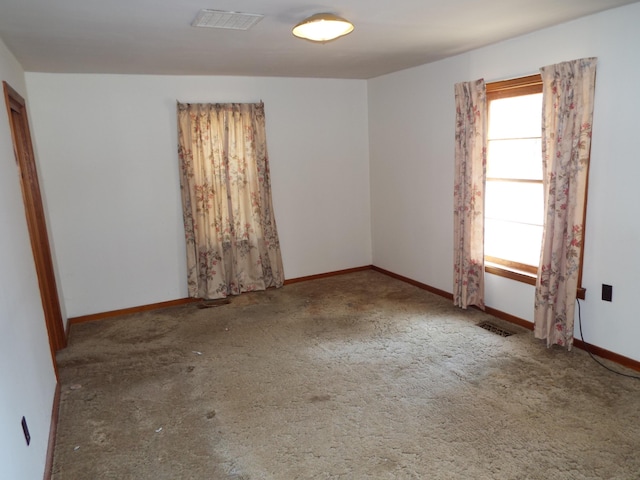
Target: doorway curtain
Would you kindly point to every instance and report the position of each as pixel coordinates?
(230, 228)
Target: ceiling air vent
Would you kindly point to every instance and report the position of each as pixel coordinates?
(228, 20)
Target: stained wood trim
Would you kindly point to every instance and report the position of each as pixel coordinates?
(126, 311)
(328, 274)
(595, 350)
(53, 429)
(601, 352)
(524, 277)
(514, 87)
(510, 274)
(184, 301)
(509, 318)
(35, 216)
(584, 225)
(415, 283)
(532, 270)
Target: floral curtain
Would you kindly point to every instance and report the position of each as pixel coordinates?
(230, 228)
(469, 183)
(568, 91)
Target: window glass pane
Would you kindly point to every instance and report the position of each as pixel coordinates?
(514, 202)
(516, 242)
(516, 117)
(520, 159)
(514, 210)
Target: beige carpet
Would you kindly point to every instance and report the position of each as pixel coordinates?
(358, 376)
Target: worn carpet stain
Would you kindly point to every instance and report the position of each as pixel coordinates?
(357, 376)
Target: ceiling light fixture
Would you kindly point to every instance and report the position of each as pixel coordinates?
(322, 27)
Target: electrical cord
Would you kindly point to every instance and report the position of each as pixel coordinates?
(586, 347)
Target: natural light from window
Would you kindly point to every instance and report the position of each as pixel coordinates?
(514, 203)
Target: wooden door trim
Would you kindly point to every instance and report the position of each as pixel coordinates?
(36, 222)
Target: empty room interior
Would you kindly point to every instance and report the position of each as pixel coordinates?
(361, 134)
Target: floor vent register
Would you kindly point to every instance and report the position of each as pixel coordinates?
(493, 328)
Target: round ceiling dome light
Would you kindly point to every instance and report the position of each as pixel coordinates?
(322, 27)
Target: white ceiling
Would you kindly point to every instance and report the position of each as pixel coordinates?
(156, 37)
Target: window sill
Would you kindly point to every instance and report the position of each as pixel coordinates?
(520, 276)
(511, 273)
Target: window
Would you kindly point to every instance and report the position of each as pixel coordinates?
(514, 196)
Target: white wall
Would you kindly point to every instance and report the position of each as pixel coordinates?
(411, 121)
(107, 146)
(27, 379)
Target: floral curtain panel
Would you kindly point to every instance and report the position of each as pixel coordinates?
(469, 183)
(230, 228)
(568, 92)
